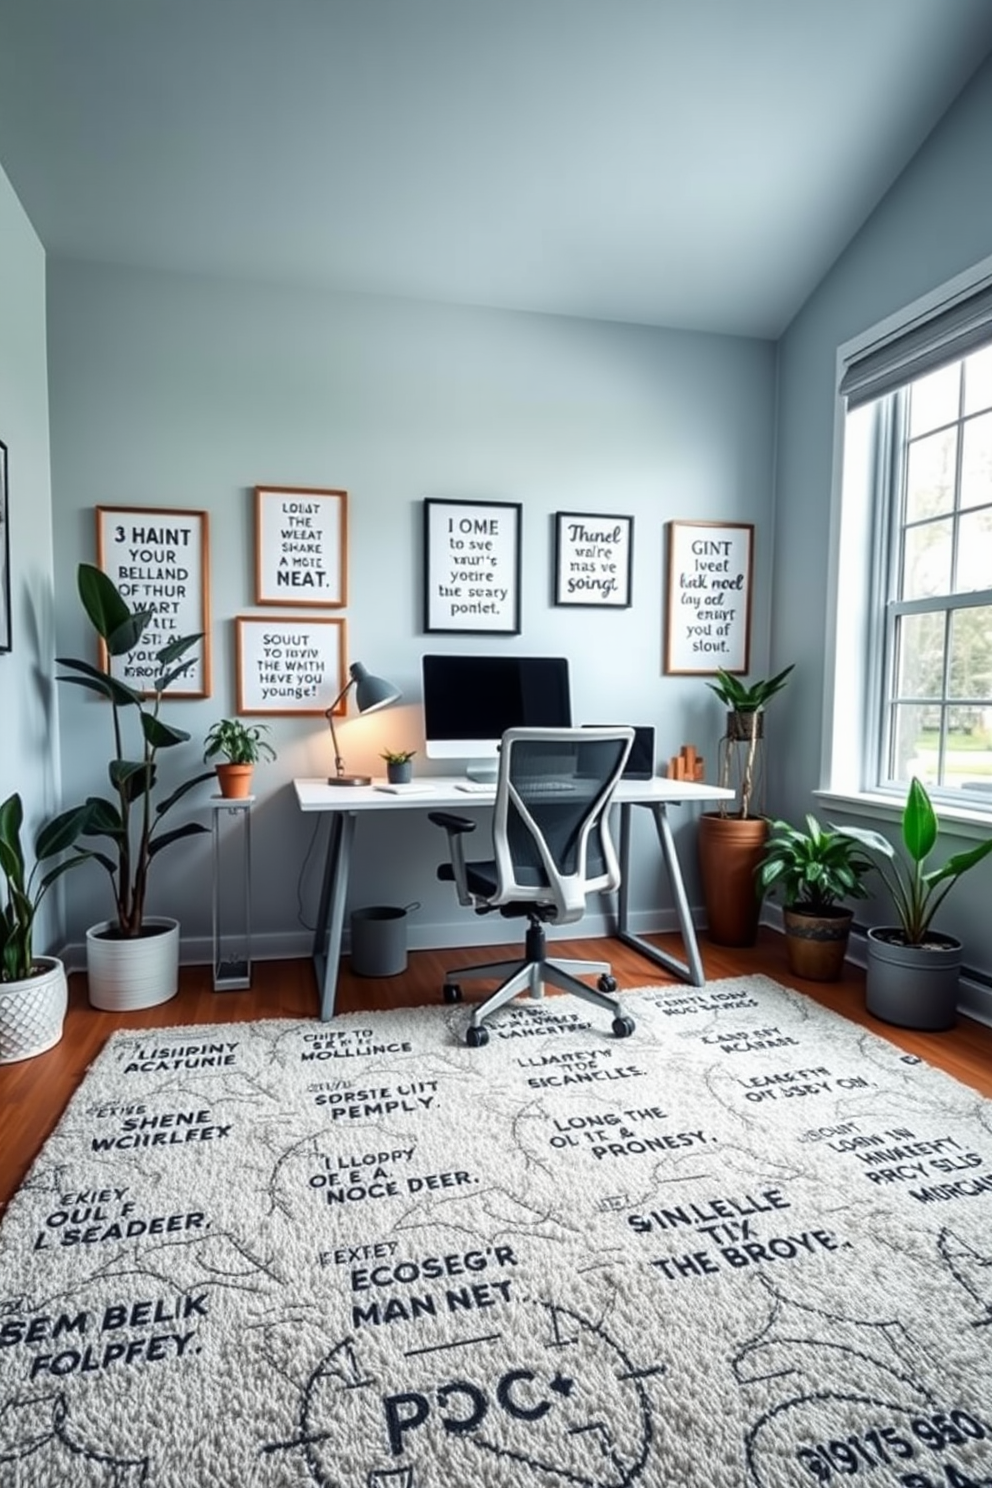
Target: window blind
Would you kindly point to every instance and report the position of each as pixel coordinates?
(949, 332)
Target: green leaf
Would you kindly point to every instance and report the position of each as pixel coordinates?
(103, 604)
(191, 829)
(183, 790)
(177, 648)
(161, 735)
(61, 832)
(961, 862)
(919, 822)
(109, 687)
(124, 637)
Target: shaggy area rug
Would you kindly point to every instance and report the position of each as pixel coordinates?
(749, 1245)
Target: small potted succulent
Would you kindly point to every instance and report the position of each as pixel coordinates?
(399, 769)
(813, 871)
(241, 746)
(913, 970)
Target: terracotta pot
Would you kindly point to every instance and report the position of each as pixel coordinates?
(235, 781)
(816, 942)
(730, 850)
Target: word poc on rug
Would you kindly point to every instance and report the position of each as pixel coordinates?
(751, 1245)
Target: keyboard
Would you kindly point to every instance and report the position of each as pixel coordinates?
(476, 787)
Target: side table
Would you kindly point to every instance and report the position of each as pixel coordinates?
(232, 895)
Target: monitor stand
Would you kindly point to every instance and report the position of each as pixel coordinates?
(484, 772)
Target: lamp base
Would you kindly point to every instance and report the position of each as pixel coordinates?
(349, 779)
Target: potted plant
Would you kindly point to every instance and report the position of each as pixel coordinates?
(913, 970)
(242, 746)
(133, 959)
(813, 871)
(33, 995)
(399, 770)
(732, 838)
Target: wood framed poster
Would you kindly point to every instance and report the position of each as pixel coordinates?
(301, 544)
(593, 560)
(289, 665)
(472, 567)
(709, 597)
(159, 558)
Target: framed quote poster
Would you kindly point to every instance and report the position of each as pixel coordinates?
(593, 559)
(709, 597)
(472, 567)
(289, 665)
(301, 543)
(159, 558)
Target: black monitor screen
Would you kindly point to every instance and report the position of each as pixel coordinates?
(470, 701)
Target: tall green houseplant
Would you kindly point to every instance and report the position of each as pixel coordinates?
(744, 705)
(731, 838)
(129, 818)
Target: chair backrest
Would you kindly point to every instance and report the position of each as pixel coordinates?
(551, 836)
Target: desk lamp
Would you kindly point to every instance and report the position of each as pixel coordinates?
(370, 693)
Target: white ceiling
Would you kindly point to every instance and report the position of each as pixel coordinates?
(691, 163)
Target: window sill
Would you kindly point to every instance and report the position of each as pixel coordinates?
(955, 821)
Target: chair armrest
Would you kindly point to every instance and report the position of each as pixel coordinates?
(450, 822)
(456, 828)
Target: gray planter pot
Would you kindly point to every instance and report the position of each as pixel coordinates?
(913, 986)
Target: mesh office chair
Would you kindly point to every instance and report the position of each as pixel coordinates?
(551, 847)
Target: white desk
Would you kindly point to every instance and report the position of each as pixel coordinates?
(347, 803)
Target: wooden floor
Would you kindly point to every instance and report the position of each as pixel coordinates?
(34, 1093)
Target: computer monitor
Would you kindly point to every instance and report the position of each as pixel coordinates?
(470, 702)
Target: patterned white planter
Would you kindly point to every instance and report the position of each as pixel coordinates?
(127, 974)
(32, 1012)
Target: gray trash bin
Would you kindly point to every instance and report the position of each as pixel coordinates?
(378, 940)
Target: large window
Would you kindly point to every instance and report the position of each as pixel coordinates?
(919, 422)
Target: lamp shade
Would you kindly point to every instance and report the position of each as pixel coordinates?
(371, 692)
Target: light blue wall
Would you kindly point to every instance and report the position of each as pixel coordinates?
(175, 391)
(934, 223)
(28, 709)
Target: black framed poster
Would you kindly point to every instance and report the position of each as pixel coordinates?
(593, 560)
(472, 567)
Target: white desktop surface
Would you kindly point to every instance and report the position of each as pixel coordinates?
(433, 791)
(345, 803)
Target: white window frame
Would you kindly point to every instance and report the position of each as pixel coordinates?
(853, 700)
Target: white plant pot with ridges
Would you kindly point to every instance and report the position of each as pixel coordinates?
(139, 973)
(32, 1012)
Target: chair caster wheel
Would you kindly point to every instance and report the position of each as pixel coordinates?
(623, 1027)
(476, 1037)
(607, 983)
(452, 992)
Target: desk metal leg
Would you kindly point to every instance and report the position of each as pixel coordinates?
(330, 915)
(690, 970)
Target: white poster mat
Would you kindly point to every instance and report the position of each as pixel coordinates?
(158, 557)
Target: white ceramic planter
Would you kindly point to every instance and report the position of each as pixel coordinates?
(128, 974)
(32, 1012)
